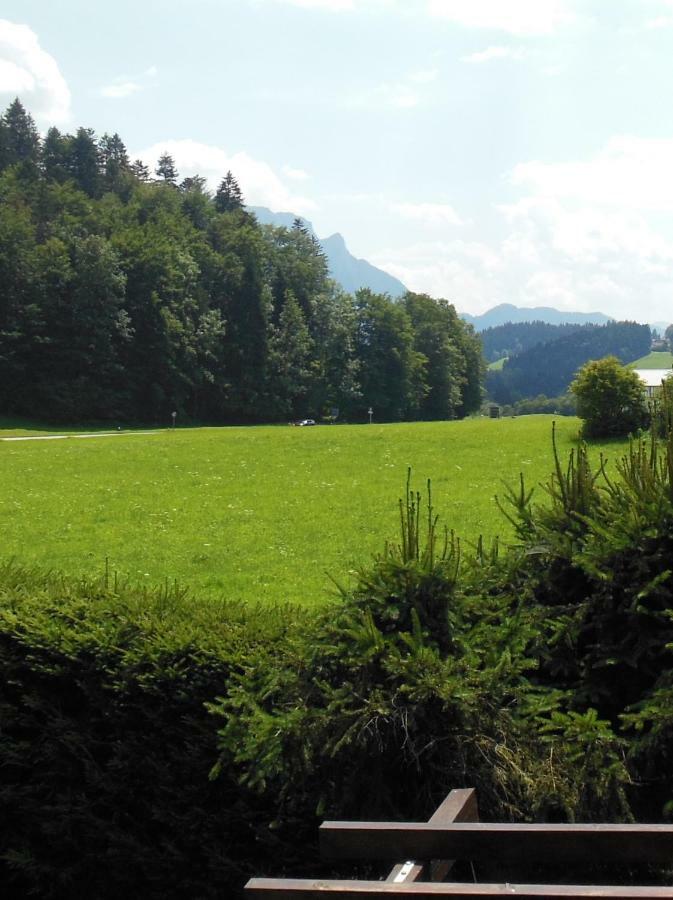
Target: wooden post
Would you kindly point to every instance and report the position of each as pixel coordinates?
(458, 806)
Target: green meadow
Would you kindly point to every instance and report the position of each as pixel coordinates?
(257, 513)
(657, 359)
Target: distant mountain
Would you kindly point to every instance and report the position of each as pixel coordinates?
(507, 312)
(351, 273)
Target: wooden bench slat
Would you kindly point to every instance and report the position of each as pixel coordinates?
(500, 842)
(307, 889)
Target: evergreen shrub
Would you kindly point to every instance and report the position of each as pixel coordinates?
(106, 745)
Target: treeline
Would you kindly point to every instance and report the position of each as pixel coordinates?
(549, 368)
(513, 338)
(126, 297)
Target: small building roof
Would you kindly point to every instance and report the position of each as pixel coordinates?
(653, 377)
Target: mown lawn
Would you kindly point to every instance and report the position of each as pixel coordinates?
(258, 513)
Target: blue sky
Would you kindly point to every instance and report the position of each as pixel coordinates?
(485, 151)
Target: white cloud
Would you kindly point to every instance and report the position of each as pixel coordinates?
(520, 17)
(295, 174)
(659, 22)
(339, 6)
(593, 234)
(492, 53)
(331, 5)
(384, 96)
(120, 89)
(29, 71)
(406, 93)
(424, 76)
(125, 85)
(260, 185)
(629, 172)
(432, 214)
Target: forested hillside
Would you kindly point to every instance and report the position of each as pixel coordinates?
(126, 297)
(550, 367)
(516, 337)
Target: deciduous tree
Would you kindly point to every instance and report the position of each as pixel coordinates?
(610, 398)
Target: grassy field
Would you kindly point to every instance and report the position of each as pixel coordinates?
(259, 513)
(26, 428)
(657, 359)
(497, 365)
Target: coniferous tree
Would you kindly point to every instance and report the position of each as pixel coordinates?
(228, 196)
(56, 155)
(84, 162)
(300, 267)
(166, 170)
(23, 139)
(5, 153)
(196, 201)
(114, 161)
(140, 170)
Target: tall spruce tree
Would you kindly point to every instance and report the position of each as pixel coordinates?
(166, 170)
(228, 196)
(84, 162)
(22, 137)
(114, 161)
(56, 155)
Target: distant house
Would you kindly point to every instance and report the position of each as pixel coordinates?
(652, 378)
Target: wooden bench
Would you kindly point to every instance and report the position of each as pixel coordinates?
(455, 832)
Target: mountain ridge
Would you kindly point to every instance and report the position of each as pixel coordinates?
(351, 272)
(508, 312)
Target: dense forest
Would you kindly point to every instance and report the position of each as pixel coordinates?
(126, 297)
(516, 337)
(550, 367)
